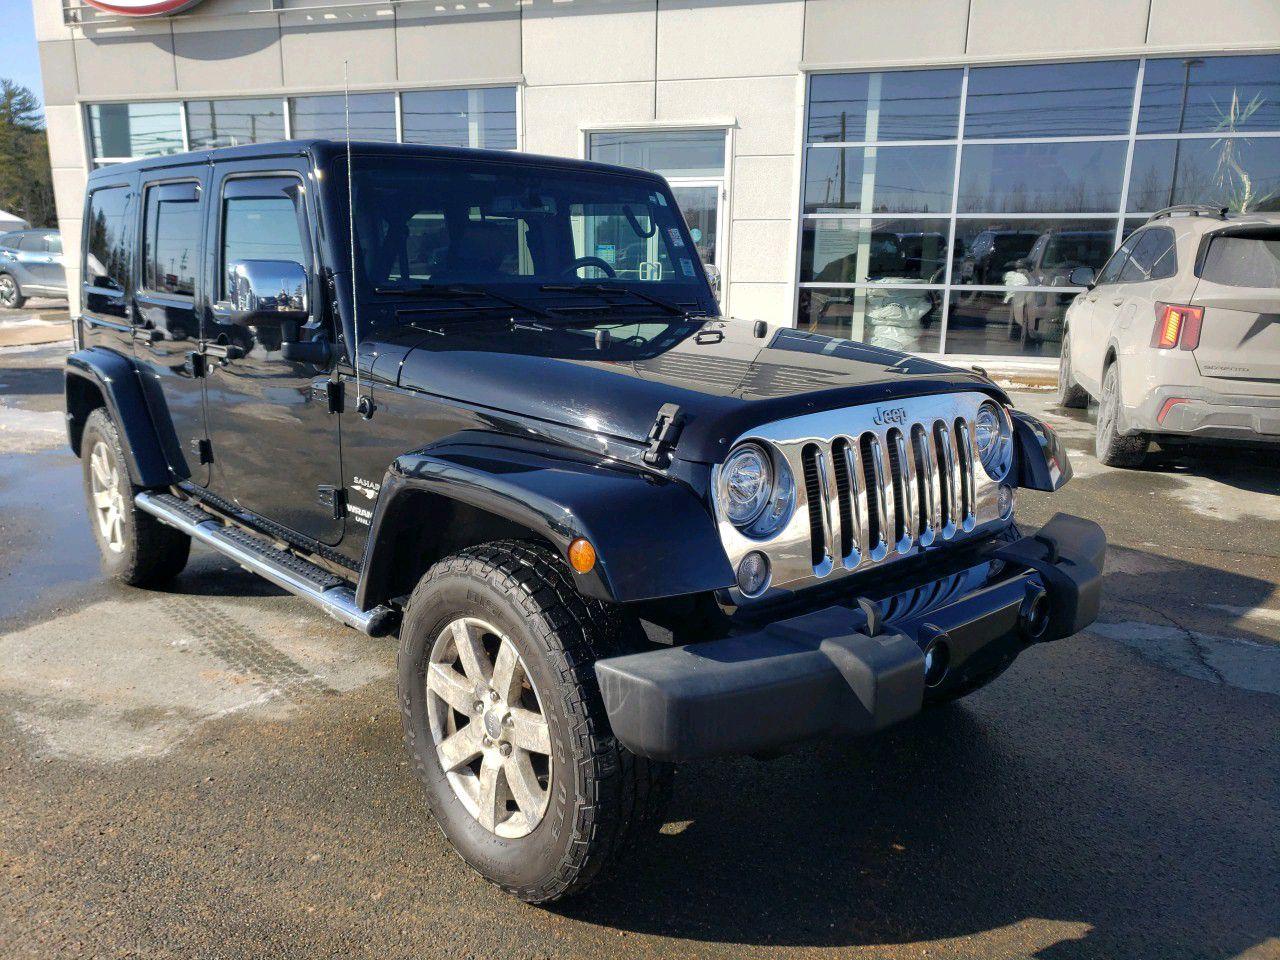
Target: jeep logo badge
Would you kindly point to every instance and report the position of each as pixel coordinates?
(889, 415)
(142, 8)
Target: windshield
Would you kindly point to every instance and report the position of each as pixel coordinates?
(535, 234)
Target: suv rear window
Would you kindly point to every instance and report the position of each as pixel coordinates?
(106, 257)
(1246, 261)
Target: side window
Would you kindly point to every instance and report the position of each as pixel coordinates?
(1153, 257)
(53, 243)
(171, 239)
(262, 219)
(32, 243)
(106, 263)
(1111, 271)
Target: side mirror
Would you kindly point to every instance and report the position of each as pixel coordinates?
(266, 292)
(713, 278)
(1081, 277)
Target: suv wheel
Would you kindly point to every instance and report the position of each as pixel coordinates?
(505, 726)
(11, 297)
(1112, 448)
(136, 548)
(1070, 393)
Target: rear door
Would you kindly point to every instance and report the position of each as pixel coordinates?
(1239, 289)
(1093, 316)
(107, 271)
(167, 336)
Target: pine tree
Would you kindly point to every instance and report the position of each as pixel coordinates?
(26, 185)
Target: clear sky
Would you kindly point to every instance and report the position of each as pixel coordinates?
(18, 58)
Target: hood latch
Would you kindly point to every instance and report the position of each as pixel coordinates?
(663, 435)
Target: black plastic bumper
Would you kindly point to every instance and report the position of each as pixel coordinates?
(822, 673)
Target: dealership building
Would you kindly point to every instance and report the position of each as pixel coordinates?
(922, 174)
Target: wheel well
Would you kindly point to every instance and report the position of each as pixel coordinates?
(429, 527)
(83, 397)
(1107, 361)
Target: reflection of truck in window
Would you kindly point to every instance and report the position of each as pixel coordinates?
(1037, 314)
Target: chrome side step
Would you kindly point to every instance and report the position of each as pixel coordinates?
(285, 570)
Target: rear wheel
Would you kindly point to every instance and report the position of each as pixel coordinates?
(1113, 448)
(136, 548)
(1070, 393)
(506, 728)
(11, 297)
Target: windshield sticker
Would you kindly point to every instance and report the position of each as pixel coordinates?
(686, 267)
(662, 201)
(674, 234)
(608, 252)
(696, 234)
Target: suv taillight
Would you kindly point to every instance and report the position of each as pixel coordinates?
(1177, 326)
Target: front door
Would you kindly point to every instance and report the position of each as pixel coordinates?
(167, 327)
(275, 444)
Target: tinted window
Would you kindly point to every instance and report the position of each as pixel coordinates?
(373, 117)
(1042, 177)
(461, 118)
(32, 243)
(106, 256)
(229, 123)
(122, 130)
(1111, 272)
(261, 222)
(894, 105)
(1210, 94)
(879, 179)
(1244, 261)
(9, 241)
(171, 245)
(1050, 100)
(1242, 173)
(1152, 257)
(988, 249)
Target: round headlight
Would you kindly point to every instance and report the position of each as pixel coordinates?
(993, 436)
(757, 492)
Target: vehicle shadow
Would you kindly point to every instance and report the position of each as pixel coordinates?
(1101, 805)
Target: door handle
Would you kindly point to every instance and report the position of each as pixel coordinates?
(1117, 301)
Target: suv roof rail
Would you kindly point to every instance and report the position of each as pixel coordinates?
(1190, 209)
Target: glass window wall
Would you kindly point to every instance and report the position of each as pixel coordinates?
(963, 240)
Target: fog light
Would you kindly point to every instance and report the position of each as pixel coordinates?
(1004, 501)
(753, 573)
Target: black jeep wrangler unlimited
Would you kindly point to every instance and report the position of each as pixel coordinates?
(486, 402)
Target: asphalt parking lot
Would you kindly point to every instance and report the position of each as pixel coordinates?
(216, 770)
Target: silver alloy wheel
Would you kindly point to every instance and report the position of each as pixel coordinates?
(488, 727)
(108, 499)
(8, 292)
(1109, 403)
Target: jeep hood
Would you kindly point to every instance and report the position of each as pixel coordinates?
(725, 379)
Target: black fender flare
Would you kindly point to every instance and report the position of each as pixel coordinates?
(115, 378)
(652, 535)
(1042, 461)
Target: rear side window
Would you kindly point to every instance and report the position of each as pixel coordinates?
(32, 243)
(1244, 261)
(1154, 257)
(53, 243)
(1111, 271)
(171, 244)
(106, 256)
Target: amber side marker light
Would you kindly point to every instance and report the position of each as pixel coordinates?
(1177, 326)
(582, 555)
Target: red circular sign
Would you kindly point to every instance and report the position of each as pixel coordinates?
(142, 8)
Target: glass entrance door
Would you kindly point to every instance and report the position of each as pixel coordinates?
(693, 162)
(700, 204)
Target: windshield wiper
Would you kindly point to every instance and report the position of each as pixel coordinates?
(436, 291)
(600, 290)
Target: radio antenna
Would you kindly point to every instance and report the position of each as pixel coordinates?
(364, 404)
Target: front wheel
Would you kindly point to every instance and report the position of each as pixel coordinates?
(136, 548)
(506, 728)
(11, 297)
(1113, 448)
(1070, 393)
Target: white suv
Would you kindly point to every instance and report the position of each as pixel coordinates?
(1179, 334)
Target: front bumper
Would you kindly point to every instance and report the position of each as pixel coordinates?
(830, 672)
(1199, 413)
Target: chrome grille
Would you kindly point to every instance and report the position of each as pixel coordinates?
(875, 483)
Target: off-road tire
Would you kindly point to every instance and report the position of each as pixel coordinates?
(1070, 394)
(1113, 448)
(11, 297)
(602, 797)
(152, 553)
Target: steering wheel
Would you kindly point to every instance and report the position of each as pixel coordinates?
(581, 262)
